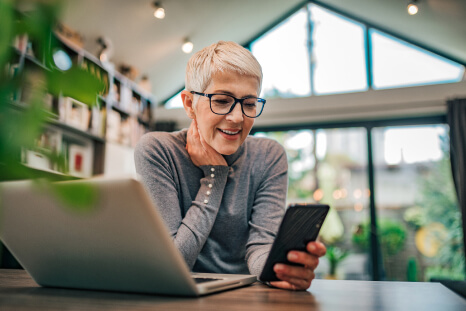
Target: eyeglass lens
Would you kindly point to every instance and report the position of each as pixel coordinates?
(221, 104)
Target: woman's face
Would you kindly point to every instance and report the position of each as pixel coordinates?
(225, 133)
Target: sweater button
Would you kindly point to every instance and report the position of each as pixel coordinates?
(212, 169)
(212, 175)
(206, 201)
(210, 185)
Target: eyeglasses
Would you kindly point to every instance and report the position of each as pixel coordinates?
(223, 104)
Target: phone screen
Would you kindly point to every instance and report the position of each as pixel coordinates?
(300, 225)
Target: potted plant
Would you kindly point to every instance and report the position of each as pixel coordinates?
(335, 256)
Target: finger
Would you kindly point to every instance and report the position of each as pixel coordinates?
(189, 136)
(195, 137)
(195, 130)
(303, 258)
(198, 135)
(316, 248)
(193, 145)
(283, 285)
(190, 130)
(295, 283)
(205, 146)
(298, 272)
(202, 141)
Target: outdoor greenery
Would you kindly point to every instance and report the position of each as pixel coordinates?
(436, 204)
(335, 256)
(392, 236)
(439, 205)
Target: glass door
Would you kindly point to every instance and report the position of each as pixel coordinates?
(330, 166)
(418, 219)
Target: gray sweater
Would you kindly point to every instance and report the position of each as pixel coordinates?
(223, 219)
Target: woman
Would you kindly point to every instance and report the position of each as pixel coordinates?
(221, 193)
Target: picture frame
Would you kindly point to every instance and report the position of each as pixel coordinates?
(80, 161)
(77, 114)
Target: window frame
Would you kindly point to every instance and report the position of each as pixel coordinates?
(376, 272)
(368, 44)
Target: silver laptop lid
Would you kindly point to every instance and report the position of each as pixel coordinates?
(107, 235)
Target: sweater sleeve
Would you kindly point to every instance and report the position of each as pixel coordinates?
(268, 208)
(155, 166)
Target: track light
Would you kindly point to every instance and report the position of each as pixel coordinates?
(412, 7)
(159, 10)
(187, 46)
(106, 50)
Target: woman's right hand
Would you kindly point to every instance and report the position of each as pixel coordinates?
(199, 151)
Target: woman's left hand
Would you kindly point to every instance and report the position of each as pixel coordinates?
(199, 151)
(299, 277)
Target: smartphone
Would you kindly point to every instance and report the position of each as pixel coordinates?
(300, 225)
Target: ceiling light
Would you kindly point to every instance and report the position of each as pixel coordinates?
(412, 7)
(106, 49)
(159, 10)
(187, 46)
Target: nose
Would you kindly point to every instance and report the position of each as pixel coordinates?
(236, 115)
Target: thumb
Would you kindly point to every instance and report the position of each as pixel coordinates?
(198, 132)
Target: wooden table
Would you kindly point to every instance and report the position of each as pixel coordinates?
(19, 292)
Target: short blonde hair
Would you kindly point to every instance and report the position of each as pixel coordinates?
(223, 56)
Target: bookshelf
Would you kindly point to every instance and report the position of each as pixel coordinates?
(79, 136)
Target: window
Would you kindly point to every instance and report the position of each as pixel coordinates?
(338, 52)
(318, 52)
(174, 102)
(418, 220)
(338, 62)
(396, 63)
(284, 57)
(330, 166)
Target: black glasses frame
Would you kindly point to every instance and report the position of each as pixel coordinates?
(237, 100)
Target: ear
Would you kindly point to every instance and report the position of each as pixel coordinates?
(188, 100)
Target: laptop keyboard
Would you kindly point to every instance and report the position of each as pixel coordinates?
(203, 280)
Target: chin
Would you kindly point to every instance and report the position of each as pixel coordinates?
(226, 151)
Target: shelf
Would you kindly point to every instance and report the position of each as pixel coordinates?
(126, 114)
(75, 130)
(23, 106)
(135, 88)
(52, 118)
(16, 51)
(49, 174)
(143, 122)
(142, 93)
(102, 98)
(19, 105)
(36, 62)
(131, 121)
(78, 50)
(122, 111)
(27, 172)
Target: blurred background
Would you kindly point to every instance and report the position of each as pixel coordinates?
(357, 92)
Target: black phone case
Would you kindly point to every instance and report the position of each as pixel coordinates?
(300, 225)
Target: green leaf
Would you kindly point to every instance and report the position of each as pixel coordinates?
(79, 197)
(76, 83)
(6, 30)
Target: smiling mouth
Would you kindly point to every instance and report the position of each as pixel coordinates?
(229, 132)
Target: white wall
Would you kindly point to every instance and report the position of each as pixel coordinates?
(119, 161)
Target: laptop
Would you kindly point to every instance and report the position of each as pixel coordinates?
(98, 234)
